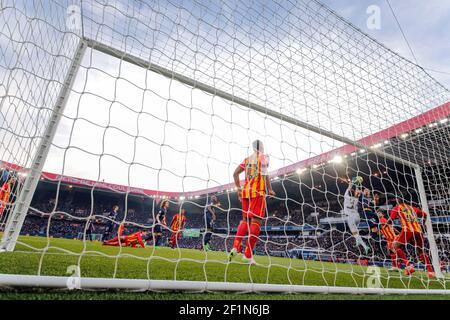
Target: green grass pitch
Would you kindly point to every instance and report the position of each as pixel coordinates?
(54, 256)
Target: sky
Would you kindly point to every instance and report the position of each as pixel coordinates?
(126, 125)
(426, 25)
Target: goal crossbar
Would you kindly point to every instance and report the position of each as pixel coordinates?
(119, 54)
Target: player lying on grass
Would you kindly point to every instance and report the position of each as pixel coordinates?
(411, 233)
(387, 230)
(133, 240)
(120, 230)
(253, 198)
(176, 227)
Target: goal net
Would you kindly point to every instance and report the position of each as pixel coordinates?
(128, 129)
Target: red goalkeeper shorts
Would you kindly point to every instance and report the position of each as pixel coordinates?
(414, 238)
(254, 207)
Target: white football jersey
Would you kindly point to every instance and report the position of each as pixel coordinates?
(350, 202)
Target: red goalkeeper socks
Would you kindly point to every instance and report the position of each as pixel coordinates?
(426, 260)
(240, 234)
(255, 229)
(403, 259)
(394, 259)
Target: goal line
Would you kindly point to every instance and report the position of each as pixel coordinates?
(54, 282)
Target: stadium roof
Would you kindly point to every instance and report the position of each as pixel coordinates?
(410, 139)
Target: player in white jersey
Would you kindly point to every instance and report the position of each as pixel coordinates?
(351, 202)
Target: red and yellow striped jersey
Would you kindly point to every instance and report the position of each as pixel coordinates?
(134, 239)
(408, 216)
(178, 222)
(255, 168)
(5, 192)
(387, 230)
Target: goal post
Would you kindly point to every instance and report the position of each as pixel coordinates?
(148, 103)
(428, 225)
(23, 201)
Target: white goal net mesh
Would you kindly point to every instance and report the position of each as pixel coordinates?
(165, 103)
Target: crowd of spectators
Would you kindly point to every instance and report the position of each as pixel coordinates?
(75, 208)
(67, 215)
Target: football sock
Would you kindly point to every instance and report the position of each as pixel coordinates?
(424, 257)
(255, 229)
(157, 240)
(207, 238)
(240, 234)
(403, 259)
(394, 259)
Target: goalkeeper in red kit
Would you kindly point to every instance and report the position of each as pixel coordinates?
(120, 231)
(411, 233)
(253, 198)
(177, 224)
(133, 240)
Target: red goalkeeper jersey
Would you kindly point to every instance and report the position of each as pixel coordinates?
(134, 239)
(408, 216)
(5, 192)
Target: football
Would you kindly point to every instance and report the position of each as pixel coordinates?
(357, 181)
